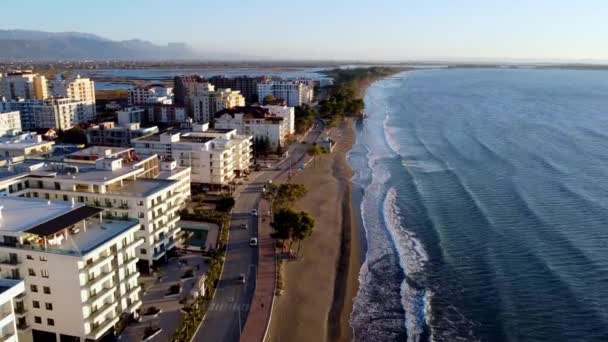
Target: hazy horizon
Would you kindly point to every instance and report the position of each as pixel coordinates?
(387, 30)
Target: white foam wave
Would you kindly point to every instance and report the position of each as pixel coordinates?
(412, 258)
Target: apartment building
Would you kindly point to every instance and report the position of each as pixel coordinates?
(150, 94)
(59, 113)
(10, 290)
(184, 87)
(248, 86)
(131, 115)
(206, 102)
(109, 134)
(24, 85)
(118, 181)
(78, 268)
(10, 123)
(294, 92)
(261, 122)
(77, 89)
(215, 156)
(24, 145)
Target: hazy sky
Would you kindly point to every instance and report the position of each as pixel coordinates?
(338, 29)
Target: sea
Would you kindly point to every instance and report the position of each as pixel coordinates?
(484, 206)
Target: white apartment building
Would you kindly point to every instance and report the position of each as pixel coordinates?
(10, 290)
(24, 85)
(117, 181)
(77, 89)
(215, 156)
(24, 145)
(205, 101)
(10, 123)
(151, 94)
(258, 121)
(78, 267)
(130, 115)
(295, 93)
(59, 113)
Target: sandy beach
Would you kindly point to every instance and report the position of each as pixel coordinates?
(320, 286)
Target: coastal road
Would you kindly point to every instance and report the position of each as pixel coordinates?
(228, 311)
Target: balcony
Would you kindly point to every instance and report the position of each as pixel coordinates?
(99, 295)
(98, 330)
(98, 278)
(23, 326)
(20, 311)
(10, 262)
(101, 311)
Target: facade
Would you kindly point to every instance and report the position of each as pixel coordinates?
(183, 86)
(215, 156)
(205, 104)
(59, 113)
(117, 181)
(108, 134)
(153, 114)
(151, 94)
(24, 145)
(78, 267)
(130, 115)
(10, 123)
(24, 85)
(295, 93)
(261, 122)
(248, 86)
(11, 291)
(80, 90)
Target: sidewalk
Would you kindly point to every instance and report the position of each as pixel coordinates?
(258, 318)
(171, 314)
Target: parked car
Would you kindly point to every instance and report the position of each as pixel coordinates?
(254, 212)
(253, 242)
(244, 226)
(242, 278)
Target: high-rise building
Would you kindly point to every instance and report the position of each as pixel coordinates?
(118, 181)
(208, 101)
(182, 88)
(77, 89)
(248, 86)
(24, 85)
(295, 93)
(11, 292)
(150, 94)
(59, 113)
(273, 125)
(216, 156)
(78, 267)
(10, 122)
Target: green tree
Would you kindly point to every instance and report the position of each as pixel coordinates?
(268, 99)
(315, 151)
(303, 229)
(283, 223)
(284, 195)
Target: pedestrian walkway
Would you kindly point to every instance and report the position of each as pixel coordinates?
(171, 315)
(261, 304)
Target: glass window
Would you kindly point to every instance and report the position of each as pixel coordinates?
(50, 321)
(48, 306)
(38, 319)
(36, 304)
(46, 289)
(34, 288)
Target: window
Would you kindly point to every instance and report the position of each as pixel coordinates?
(29, 257)
(140, 202)
(44, 273)
(142, 227)
(36, 304)
(34, 288)
(38, 319)
(48, 306)
(46, 289)
(42, 258)
(143, 251)
(50, 321)
(141, 215)
(31, 272)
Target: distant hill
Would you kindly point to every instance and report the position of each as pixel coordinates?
(39, 45)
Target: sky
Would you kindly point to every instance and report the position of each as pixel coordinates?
(391, 30)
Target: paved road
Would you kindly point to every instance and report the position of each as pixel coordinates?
(227, 314)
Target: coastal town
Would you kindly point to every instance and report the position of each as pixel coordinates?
(174, 211)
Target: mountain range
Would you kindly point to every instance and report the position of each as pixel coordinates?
(40, 45)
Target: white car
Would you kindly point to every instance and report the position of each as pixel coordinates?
(254, 212)
(253, 242)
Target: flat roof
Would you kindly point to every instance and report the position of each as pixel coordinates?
(142, 187)
(195, 139)
(19, 214)
(60, 222)
(99, 151)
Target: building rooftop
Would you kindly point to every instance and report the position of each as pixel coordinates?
(99, 152)
(58, 226)
(141, 187)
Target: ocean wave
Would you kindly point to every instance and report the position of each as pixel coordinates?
(412, 258)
